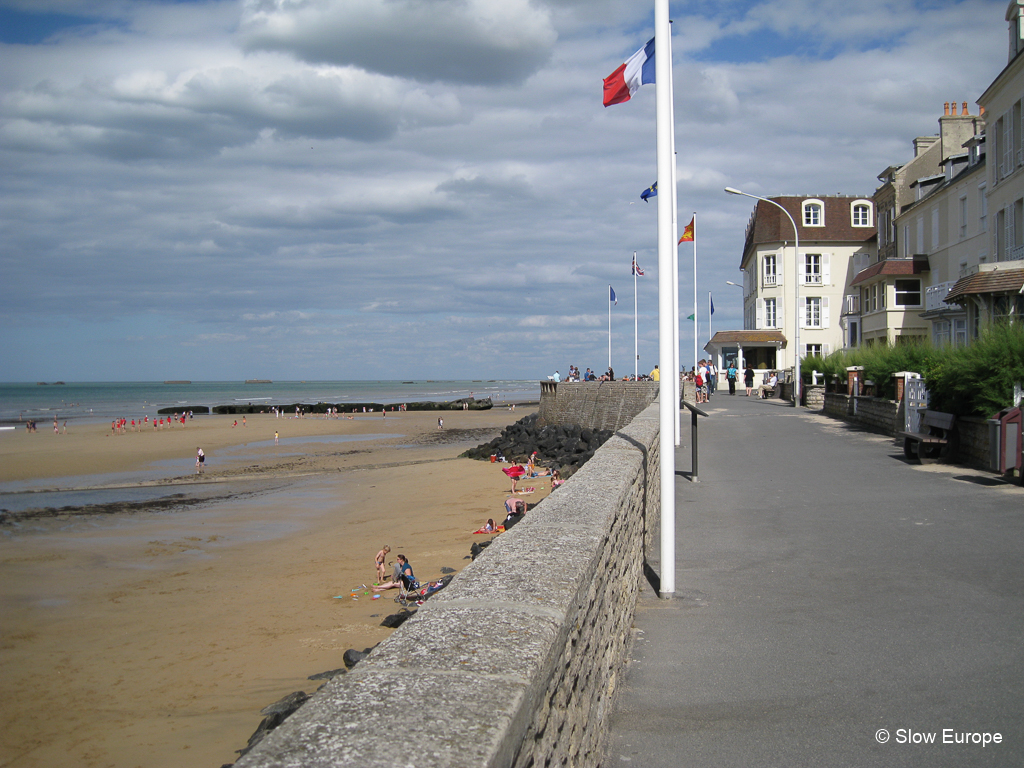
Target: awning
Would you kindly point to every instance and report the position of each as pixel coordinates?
(989, 282)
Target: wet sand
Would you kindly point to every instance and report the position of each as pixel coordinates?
(154, 637)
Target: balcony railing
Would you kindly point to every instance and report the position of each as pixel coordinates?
(1016, 253)
(769, 278)
(934, 295)
(851, 304)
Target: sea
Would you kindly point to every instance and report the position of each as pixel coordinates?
(104, 401)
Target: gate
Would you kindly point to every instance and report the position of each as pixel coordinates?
(915, 400)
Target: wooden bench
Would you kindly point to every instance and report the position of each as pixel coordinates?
(934, 441)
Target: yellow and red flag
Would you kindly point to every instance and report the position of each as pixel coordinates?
(687, 233)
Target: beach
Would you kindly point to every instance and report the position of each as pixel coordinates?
(149, 635)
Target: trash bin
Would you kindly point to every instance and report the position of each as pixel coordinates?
(1004, 435)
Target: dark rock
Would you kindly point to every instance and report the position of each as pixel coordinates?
(446, 569)
(276, 714)
(328, 675)
(287, 705)
(351, 657)
(396, 619)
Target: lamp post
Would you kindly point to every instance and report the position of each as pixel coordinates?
(796, 291)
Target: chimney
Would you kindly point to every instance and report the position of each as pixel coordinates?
(946, 112)
(964, 110)
(981, 111)
(953, 109)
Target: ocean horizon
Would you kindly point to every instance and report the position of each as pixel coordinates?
(103, 401)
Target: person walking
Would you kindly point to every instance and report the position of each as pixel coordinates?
(748, 379)
(730, 376)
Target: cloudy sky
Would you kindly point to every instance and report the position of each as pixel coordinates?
(400, 189)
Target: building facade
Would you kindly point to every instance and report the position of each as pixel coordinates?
(837, 240)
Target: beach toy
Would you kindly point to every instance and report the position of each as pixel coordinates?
(376, 597)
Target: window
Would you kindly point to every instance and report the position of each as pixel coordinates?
(769, 269)
(812, 312)
(861, 213)
(813, 349)
(814, 213)
(769, 313)
(940, 333)
(963, 217)
(935, 230)
(908, 292)
(983, 206)
(812, 268)
(960, 331)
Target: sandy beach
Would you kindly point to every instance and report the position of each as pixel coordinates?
(152, 637)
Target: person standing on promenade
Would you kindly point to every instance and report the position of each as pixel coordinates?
(748, 379)
(730, 376)
(655, 374)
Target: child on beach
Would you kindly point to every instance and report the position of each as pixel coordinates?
(379, 563)
(200, 460)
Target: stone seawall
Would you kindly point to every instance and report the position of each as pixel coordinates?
(594, 404)
(515, 662)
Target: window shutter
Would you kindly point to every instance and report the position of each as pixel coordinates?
(826, 273)
(759, 316)
(824, 312)
(1010, 234)
(1007, 166)
(825, 349)
(802, 312)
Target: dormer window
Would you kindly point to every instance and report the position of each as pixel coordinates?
(814, 213)
(860, 212)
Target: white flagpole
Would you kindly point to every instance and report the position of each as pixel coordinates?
(710, 334)
(666, 390)
(609, 327)
(695, 334)
(675, 262)
(636, 347)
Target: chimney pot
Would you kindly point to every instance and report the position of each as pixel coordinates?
(981, 111)
(946, 110)
(964, 110)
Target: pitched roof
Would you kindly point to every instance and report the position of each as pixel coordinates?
(769, 225)
(891, 267)
(748, 337)
(994, 281)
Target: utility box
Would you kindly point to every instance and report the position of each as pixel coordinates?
(1004, 439)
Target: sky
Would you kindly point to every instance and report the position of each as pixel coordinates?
(421, 189)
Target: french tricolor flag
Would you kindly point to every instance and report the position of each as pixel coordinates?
(638, 70)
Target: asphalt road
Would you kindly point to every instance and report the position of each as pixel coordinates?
(834, 606)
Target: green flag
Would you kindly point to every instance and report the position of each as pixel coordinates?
(690, 317)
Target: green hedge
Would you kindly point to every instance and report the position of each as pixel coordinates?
(976, 380)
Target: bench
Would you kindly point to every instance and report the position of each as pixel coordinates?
(934, 441)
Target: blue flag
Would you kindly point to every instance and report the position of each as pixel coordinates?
(712, 304)
(611, 295)
(651, 191)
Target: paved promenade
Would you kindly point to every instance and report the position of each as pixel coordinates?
(826, 590)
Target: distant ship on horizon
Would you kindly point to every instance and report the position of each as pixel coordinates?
(258, 381)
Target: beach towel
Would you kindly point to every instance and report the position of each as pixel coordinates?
(499, 529)
(526, 490)
(514, 471)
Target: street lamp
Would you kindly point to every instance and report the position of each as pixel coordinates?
(730, 282)
(797, 384)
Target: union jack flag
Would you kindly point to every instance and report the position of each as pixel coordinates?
(636, 267)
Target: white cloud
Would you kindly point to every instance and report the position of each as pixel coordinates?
(198, 174)
(481, 42)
